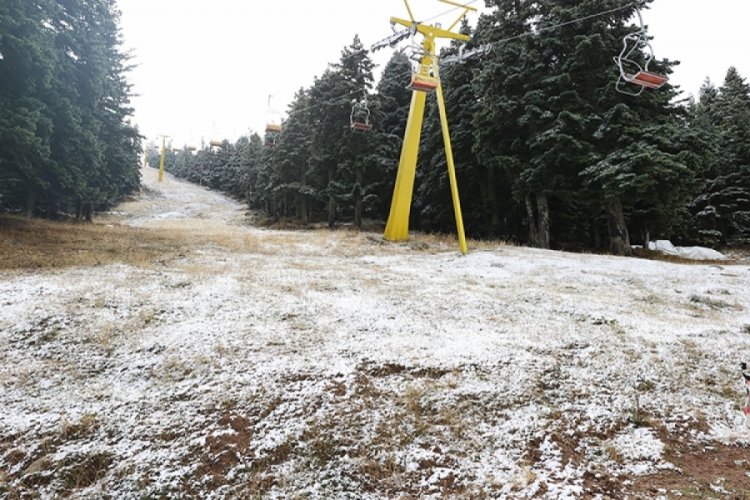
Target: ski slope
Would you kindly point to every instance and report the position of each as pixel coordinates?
(329, 364)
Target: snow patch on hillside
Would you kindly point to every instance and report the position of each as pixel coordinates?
(510, 371)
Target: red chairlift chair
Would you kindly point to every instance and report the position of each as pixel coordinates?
(423, 83)
(630, 70)
(359, 119)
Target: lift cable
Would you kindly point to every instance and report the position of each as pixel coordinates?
(481, 49)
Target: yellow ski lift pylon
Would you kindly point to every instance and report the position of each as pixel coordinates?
(427, 78)
(163, 156)
(273, 124)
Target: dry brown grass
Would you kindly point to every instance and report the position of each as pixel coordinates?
(43, 244)
(85, 426)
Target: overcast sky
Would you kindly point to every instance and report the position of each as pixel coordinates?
(205, 68)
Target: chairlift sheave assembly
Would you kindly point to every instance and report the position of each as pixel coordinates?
(423, 77)
(631, 71)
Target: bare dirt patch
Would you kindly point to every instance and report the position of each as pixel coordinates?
(703, 470)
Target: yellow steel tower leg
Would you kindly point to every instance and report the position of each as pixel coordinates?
(397, 228)
(451, 167)
(163, 155)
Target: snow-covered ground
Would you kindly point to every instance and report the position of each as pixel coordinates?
(331, 365)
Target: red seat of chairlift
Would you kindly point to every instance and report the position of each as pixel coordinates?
(648, 80)
(424, 84)
(361, 126)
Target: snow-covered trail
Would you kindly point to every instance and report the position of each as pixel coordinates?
(329, 365)
(176, 200)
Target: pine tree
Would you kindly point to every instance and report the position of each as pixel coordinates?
(250, 150)
(728, 193)
(702, 228)
(357, 164)
(508, 75)
(290, 161)
(629, 150)
(120, 138)
(26, 72)
(67, 145)
(329, 121)
(390, 110)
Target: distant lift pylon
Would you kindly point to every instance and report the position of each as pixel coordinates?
(273, 125)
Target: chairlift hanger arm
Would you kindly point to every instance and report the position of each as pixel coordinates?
(390, 41)
(411, 14)
(431, 31)
(456, 4)
(466, 11)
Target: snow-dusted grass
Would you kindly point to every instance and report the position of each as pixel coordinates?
(330, 365)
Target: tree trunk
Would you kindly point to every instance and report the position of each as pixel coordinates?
(596, 239)
(358, 208)
(619, 239)
(89, 212)
(494, 208)
(542, 207)
(646, 238)
(331, 211)
(30, 204)
(484, 198)
(358, 211)
(304, 211)
(79, 211)
(531, 216)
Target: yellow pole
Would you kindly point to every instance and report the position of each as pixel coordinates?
(163, 155)
(397, 228)
(451, 166)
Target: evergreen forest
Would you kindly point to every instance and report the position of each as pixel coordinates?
(548, 152)
(67, 146)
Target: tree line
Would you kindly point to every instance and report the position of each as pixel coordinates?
(66, 142)
(548, 152)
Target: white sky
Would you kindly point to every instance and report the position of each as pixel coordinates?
(205, 68)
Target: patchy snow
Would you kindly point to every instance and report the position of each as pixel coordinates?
(694, 253)
(325, 365)
(640, 448)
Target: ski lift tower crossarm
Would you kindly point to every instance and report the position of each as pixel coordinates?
(424, 80)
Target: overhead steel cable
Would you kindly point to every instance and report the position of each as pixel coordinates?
(491, 44)
(563, 24)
